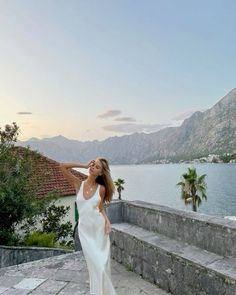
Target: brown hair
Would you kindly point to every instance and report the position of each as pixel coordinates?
(106, 180)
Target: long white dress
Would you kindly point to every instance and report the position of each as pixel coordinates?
(95, 243)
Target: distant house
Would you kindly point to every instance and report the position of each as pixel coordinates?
(56, 181)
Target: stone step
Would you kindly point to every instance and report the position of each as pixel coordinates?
(215, 234)
(175, 266)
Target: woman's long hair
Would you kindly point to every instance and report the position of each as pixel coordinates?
(106, 180)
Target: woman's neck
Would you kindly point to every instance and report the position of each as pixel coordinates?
(91, 180)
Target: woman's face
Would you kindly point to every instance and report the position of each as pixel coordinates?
(96, 168)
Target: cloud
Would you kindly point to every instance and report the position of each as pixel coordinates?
(24, 113)
(110, 113)
(125, 119)
(132, 128)
(128, 127)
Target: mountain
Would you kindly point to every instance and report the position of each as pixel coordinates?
(211, 131)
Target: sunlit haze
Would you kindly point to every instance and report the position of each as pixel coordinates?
(95, 69)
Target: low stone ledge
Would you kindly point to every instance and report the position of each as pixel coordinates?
(173, 265)
(10, 255)
(211, 233)
(114, 210)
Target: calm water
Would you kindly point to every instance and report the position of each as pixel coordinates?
(157, 184)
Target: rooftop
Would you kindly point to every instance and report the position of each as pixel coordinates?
(55, 180)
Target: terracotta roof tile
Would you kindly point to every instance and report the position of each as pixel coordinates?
(55, 180)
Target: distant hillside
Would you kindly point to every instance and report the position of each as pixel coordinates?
(212, 131)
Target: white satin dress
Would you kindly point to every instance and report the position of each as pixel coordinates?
(95, 243)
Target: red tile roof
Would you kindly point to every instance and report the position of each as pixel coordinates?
(55, 179)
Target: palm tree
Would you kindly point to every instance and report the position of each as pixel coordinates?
(193, 188)
(118, 183)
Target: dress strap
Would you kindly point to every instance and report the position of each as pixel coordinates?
(80, 188)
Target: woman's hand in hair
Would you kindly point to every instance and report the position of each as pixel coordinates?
(90, 163)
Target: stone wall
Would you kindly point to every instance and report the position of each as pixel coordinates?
(16, 255)
(183, 252)
(215, 234)
(174, 266)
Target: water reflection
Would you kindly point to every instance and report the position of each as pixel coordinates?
(157, 184)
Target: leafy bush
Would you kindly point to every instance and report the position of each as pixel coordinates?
(40, 239)
(19, 184)
(21, 178)
(51, 222)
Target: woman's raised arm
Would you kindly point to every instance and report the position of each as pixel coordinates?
(69, 175)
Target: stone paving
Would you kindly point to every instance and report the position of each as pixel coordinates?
(67, 275)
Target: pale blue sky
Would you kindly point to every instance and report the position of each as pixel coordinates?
(141, 63)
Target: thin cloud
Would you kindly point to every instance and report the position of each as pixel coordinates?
(24, 113)
(110, 113)
(132, 128)
(125, 119)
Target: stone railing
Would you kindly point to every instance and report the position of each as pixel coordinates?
(183, 252)
(214, 234)
(10, 255)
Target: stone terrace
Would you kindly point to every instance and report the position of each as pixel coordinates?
(67, 275)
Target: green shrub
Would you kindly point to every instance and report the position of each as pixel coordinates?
(40, 239)
(51, 222)
(20, 183)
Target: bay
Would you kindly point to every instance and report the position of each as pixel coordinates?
(157, 184)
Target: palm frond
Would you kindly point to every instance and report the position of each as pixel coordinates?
(193, 187)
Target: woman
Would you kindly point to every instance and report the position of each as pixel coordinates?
(94, 226)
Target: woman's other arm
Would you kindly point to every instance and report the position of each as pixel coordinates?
(101, 210)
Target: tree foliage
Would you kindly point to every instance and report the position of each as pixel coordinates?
(51, 222)
(119, 186)
(193, 188)
(19, 203)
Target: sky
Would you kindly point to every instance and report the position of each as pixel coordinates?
(92, 69)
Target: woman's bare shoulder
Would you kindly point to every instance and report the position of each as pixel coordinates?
(78, 185)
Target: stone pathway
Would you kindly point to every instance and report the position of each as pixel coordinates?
(67, 275)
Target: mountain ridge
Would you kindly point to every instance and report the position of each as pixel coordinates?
(211, 131)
